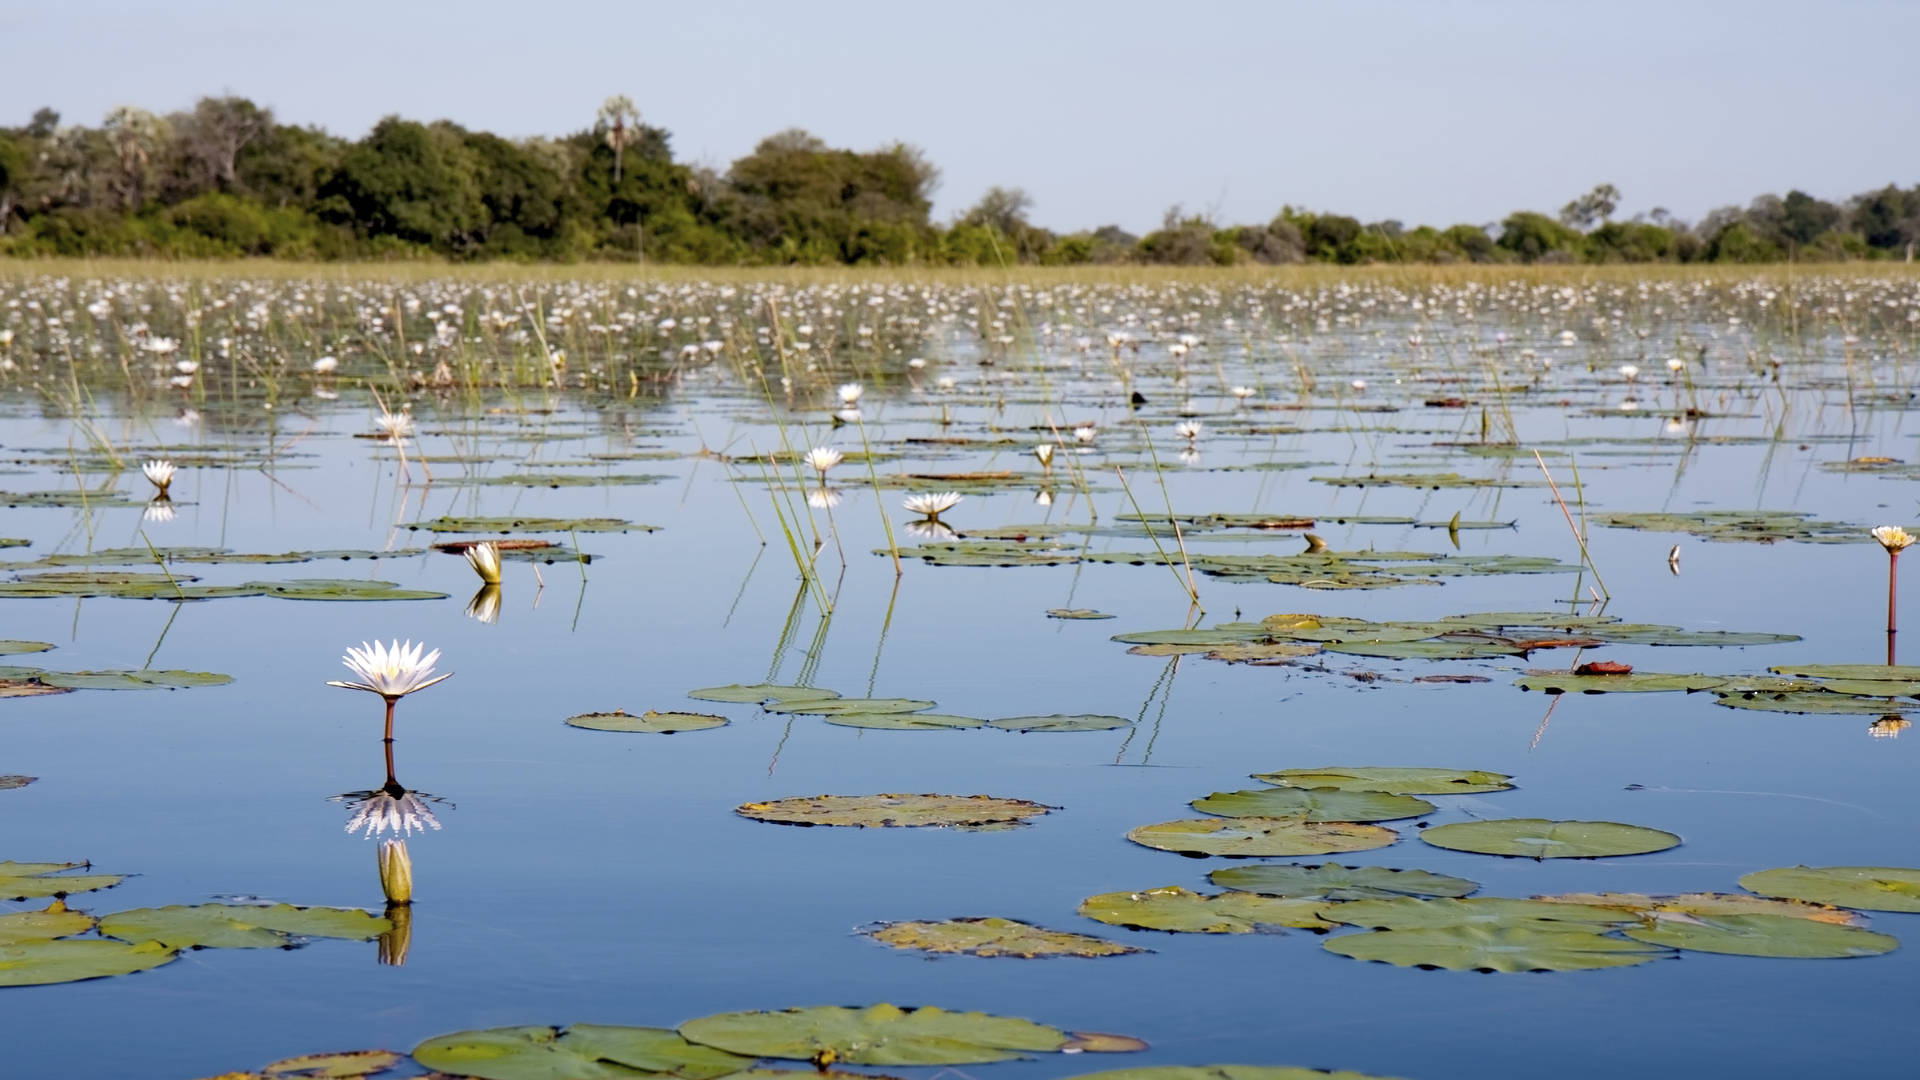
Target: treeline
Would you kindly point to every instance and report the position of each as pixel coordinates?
(225, 179)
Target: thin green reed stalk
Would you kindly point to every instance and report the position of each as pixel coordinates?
(1579, 537)
(1185, 586)
(873, 478)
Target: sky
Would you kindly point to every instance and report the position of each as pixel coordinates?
(1112, 111)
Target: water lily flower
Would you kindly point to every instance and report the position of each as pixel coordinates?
(850, 393)
(396, 872)
(326, 365)
(931, 506)
(1189, 430)
(1674, 364)
(160, 472)
(1084, 433)
(1360, 384)
(1241, 392)
(822, 458)
(1044, 452)
(392, 671)
(484, 557)
(395, 426)
(1896, 540)
(1629, 372)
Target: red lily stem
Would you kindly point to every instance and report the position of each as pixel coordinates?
(391, 782)
(391, 700)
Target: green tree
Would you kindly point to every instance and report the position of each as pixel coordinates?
(1592, 208)
(407, 182)
(1531, 237)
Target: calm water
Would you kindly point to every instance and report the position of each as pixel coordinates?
(592, 877)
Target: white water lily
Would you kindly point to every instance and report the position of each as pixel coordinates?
(1241, 392)
(484, 557)
(1044, 452)
(396, 872)
(392, 671)
(1674, 364)
(326, 365)
(1894, 538)
(395, 426)
(1629, 372)
(160, 472)
(850, 393)
(1189, 430)
(931, 506)
(822, 458)
(1085, 433)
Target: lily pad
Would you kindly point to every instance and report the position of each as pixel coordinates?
(874, 811)
(839, 706)
(1868, 888)
(1506, 949)
(1810, 702)
(504, 525)
(40, 963)
(1877, 672)
(994, 937)
(1180, 911)
(1253, 837)
(907, 721)
(11, 782)
(758, 693)
(344, 1065)
(1315, 804)
(1638, 682)
(1077, 613)
(238, 926)
(1539, 838)
(54, 921)
(10, 648)
(1061, 722)
(876, 1035)
(1428, 650)
(580, 1052)
(132, 680)
(31, 881)
(341, 589)
(1711, 904)
(1397, 781)
(1761, 935)
(1409, 913)
(657, 723)
(1334, 882)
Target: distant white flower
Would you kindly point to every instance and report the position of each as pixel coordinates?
(1674, 364)
(484, 557)
(1629, 372)
(1178, 350)
(162, 345)
(1629, 405)
(392, 671)
(1359, 384)
(944, 383)
(1085, 433)
(186, 367)
(822, 458)
(850, 393)
(1894, 538)
(1043, 497)
(326, 365)
(1044, 452)
(1189, 430)
(1567, 337)
(181, 382)
(916, 363)
(931, 506)
(160, 472)
(1241, 392)
(395, 426)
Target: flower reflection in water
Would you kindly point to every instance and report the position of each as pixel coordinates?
(928, 529)
(485, 605)
(390, 809)
(159, 510)
(1889, 726)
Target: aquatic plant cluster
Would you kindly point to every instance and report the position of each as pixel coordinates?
(225, 179)
(1224, 523)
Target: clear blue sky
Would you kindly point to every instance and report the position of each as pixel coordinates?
(1435, 111)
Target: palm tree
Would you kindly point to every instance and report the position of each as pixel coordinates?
(621, 118)
(136, 134)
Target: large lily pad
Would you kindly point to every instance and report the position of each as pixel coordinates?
(10, 648)
(1868, 888)
(131, 680)
(53, 921)
(1809, 702)
(907, 721)
(839, 706)
(13, 781)
(1397, 781)
(39, 963)
(1315, 804)
(1506, 949)
(1334, 882)
(1409, 913)
(339, 1065)
(238, 926)
(873, 811)
(342, 589)
(1634, 682)
(758, 693)
(1710, 904)
(994, 937)
(657, 723)
(1428, 650)
(1539, 838)
(31, 881)
(1178, 910)
(1061, 722)
(1876, 672)
(876, 1035)
(580, 1052)
(1254, 837)
(505, 525)
(1761, 935)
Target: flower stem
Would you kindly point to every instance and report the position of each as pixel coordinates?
(1893, 590)
(389, 736)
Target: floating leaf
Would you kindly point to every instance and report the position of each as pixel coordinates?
(1508, 949)
(1226, 1072)
(10, 648)
(761, 692)
(1397, 781)
(15, 687)
(11, 782)
(1334, 882)
(31, 881)
(1761, 935)
(132, 680)
(1410, 913)
(341, 589)
(657, 723)
(1869, 888)
(839, 706)
(345, 1065)
(1246, 837)
(580, 1052)
(39, 963)
(54, 921)
(1877, 672)
(1428, 650)
(894, 810)
(1813, 702)
(528, 525)
(1710, 904)
(876, 1035)
(907, 721)
(1639, 682)
(1061, 722)
(1315, 804)
(239, 926)
(994, 937)
(1539, 838)
(1076, 613)
(1177, 910)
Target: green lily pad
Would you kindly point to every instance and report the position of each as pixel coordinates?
(1396, 781)
(1506, 949)
(1878, 672)
(1179, 911)
(758, 693)
(1252, 837)
(839, 706)
(1635, 682)
(1674, 636)
(874, 811)
(1868, 888)
(40, 963)
(907, 721)
(237, 926)
(1761, 935)
(1076, 613)
(10, 648)
(657, 723)
(1409, 913)
(876, 1035)
(993, 937)
(504, 525)
(1539, 838)
(1315, 804)
(1197, 638)
(132, 680)
(1061, 722)
(54, 921)
(341, 589)
(1226, 1072)
(342, 1065)
(580, 1052)
(12, 782)
(31, 881)
(1711, 904)
(1811, 702)
(1331, 881)
(1427, 650)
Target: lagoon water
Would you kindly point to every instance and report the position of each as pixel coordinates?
(584, 876)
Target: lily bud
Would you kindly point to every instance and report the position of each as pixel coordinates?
(396, 872)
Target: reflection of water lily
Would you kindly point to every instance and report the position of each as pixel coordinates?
(1043, 497)
(1889, 726)
(823, 499)
(932, 505)
(160, 473)
(391, 809)
(485, 605)
(1189, 456)
(395, 426)
(484, 557)
(928, 529)
(395, 942)
(159, 510)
